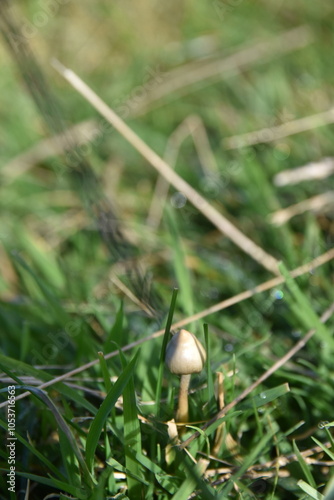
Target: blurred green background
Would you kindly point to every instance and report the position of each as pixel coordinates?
(128, 52)
(148, 61)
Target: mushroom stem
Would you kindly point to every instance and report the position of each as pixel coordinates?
(182, 414)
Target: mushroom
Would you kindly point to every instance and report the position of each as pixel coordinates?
(184, 355)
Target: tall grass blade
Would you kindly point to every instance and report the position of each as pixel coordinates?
(105, 371)
(163, 350)
(80, 494)
(181, 270)
(105, 408)
(311, 492)
(324, 448)
(250, 459)
(304, 310)
(211, 396)
(115, 333)
(73, 449)
(264, 397)
(304, 466)
(193, 480)
(132, 438)
(7, 364)
(329, 491)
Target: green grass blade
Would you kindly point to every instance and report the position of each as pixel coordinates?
(192, 481)
(105, 371)
(116, 465)
(329, 424)
(225, 418)
(69, 459)
(167, 482)
(181, 270)
(55, 310)
(115, 334)
(148, 464)
(185, 490)
(25, 341)
(264, 397)
(329, 491)
(329, 435)
(73, 449)
(162, 366)
(44, 261)
(49, 465)
(7, 364)
(12, 375)
(304, 466)
(80, 494)
(102, 486)
(250, 460)
(311, 492)
(304, 309)
(211, 395)
(163, 350)
(105, 408)
(324, 448)
(132, 438)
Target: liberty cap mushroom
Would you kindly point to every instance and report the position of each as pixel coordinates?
(184, 355)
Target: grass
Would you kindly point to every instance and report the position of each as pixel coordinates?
(86, 283)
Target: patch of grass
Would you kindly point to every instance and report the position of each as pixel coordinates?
(86, 283)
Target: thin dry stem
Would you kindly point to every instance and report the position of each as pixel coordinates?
(267, 285)
(130, 294)
(192, 126)
(319, 203)
(182, 80)
(223, 224)
(162, 186)
(270, 134)
(78, 134)
(315, 170)
(260, 470)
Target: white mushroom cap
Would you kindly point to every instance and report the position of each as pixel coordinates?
(185, 354)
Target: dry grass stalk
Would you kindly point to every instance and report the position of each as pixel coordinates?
(265, 470)
(223, 224)
(312, 171)
(192, 126)
(319, 203)
(270, 134)
(121, 286)
(179, 80)
(78, 134)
